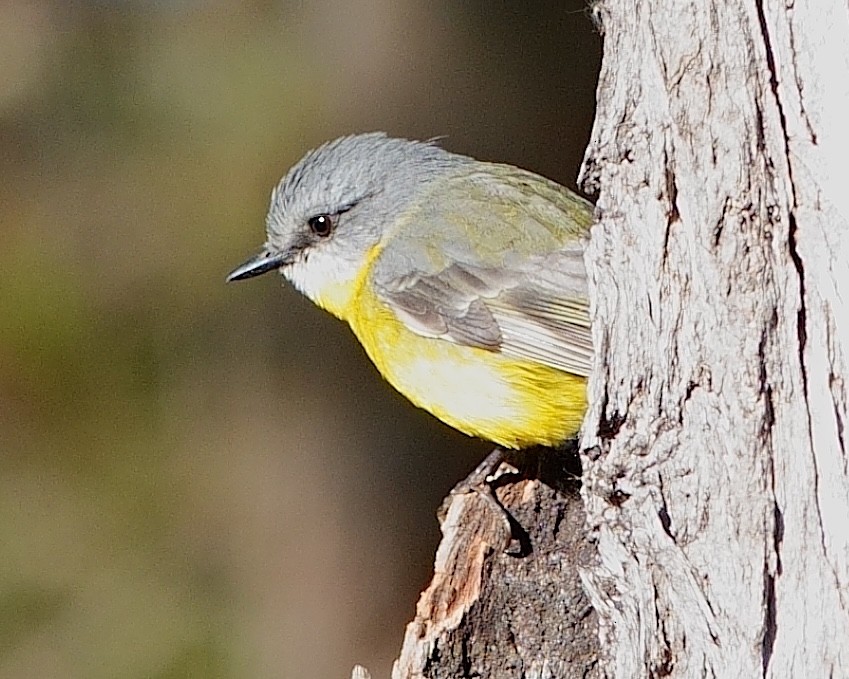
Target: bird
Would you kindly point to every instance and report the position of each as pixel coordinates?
(463, 280)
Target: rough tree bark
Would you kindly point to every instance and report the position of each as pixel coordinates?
(716, 468)
(713, 537)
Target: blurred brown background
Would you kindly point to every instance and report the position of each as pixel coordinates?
(203, 480)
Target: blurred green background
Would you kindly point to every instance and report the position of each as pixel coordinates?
(210, 480)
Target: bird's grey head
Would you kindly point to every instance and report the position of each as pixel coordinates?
(334, 206)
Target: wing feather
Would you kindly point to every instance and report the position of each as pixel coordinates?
(511, 280)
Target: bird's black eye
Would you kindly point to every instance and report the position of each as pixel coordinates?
(321, 225)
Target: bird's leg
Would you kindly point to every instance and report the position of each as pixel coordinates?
(481, 475)
(481, 481)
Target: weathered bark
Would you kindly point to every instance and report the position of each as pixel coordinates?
(501, 609)
(716, 476)
(491, 613)
(716, 472)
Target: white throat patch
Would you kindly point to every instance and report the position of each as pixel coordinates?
(325, 278)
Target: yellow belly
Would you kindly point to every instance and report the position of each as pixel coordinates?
(514, 403)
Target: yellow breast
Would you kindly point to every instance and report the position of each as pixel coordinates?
(482, 393)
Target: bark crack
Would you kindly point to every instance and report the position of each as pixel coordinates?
(794, 54)
(770, 626)
(801, 317)
(801, 314)
(801, 328)
(836, 386)
(838, 419)
(770, 622)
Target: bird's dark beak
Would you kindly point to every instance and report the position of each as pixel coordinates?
(258, 265)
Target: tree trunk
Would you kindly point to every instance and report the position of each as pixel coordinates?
(716, 471)
(716, 477)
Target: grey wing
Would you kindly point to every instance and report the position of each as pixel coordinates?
(536, 311)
